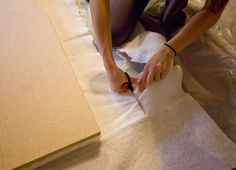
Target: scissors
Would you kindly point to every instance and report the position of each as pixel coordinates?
(129, 83)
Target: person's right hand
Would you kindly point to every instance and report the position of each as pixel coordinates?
(118, 80)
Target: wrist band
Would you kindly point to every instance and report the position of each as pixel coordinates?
(172, 49)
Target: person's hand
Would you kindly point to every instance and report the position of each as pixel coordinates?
(118, 80)
(156, 68)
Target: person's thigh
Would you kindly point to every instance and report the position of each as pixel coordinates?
(124, 16)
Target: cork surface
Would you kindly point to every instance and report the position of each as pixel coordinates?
(42, 107)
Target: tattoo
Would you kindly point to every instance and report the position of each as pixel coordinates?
(217, 5)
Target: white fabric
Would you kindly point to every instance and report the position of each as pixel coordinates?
(138, 50)
(173, 133)
(209, 66)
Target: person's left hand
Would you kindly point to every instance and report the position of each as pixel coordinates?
(156, 68)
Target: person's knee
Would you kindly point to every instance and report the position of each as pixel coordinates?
(118, 38)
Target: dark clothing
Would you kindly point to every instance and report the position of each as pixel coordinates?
(126, 13)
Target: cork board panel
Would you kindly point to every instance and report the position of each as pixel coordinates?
(42, 107)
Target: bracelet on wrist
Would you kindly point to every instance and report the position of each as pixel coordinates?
(171, 48)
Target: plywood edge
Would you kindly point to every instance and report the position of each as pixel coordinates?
(45, 4)
(59, 153)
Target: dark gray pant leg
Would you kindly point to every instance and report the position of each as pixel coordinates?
(173, 17)
(170, 21)
(124, 16)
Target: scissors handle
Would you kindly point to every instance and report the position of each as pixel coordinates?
(129, 82)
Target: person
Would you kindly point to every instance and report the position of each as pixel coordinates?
(114, 20)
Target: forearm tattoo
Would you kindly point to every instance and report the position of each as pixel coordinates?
(217, 5)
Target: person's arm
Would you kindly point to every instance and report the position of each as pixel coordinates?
(199, 24)
(158, 66)
(101, 18)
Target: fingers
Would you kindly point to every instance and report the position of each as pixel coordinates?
(142, 80)
(153, 71)
(151, 74)
(134, 80)
(165, 70)
(124, 87)
(156, 69)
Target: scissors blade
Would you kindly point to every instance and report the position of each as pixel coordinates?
(138, 101)
(132, 91)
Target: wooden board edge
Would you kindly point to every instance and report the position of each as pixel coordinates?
(45, 4)
(59, 153)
